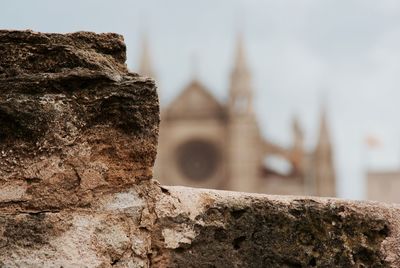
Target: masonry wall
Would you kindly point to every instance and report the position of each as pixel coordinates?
(78, 139)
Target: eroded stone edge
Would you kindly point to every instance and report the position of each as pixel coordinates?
(184, 213)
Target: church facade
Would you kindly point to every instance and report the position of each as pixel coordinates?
(209, 144)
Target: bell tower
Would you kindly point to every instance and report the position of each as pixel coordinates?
(297, 147)
(244, 139)
(240, 92)
(324, 172)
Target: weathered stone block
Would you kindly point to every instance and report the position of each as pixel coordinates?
(74, 123)
(208, 228)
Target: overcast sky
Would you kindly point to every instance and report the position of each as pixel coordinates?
(300, 52)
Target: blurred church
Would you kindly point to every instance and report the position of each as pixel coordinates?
(209, 144)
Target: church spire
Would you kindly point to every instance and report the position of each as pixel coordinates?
(298, 136)
(324, 142)
(240, 57)
(145, 67)
(297, 146)
(324, 171)
(240, 95)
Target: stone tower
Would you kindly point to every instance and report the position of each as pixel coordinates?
(297, 147)
(323, 171)
(243, 134)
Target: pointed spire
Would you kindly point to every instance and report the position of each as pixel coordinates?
(298, 136)
(297, 149)
(324, 137)
(240, 57)
(240, 94)
(145, 67)
(323, 134)
(296, 128)
(323, 168)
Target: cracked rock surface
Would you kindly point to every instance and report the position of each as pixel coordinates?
(208, 228)
(75, 124)
(78, 139)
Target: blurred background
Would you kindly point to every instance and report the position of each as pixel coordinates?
(297, 97)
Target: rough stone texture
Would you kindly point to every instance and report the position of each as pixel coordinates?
(112, 233)
(78, 137)
(208, 228)
(74, 123)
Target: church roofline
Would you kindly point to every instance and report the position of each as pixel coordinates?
(196, 83)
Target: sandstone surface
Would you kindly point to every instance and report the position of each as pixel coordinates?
(75, 124)
(209, 228)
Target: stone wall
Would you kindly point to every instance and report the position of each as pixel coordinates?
(78, 139)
